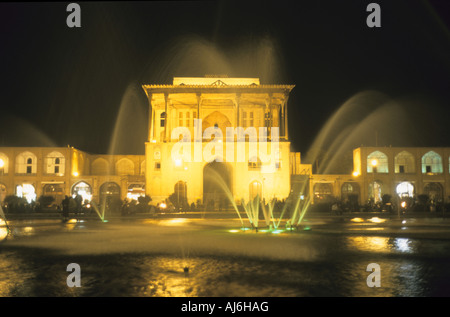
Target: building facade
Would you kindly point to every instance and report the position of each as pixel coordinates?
(209, 139)
(31, 172)
(215, 141)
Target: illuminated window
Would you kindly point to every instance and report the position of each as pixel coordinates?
(54, 163)
(432, 163)
(377, 162)
(26, 163)
(83, 189)
(26, 191)
(405, 189)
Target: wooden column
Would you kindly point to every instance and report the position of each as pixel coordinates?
(150, 118)
(166, 119)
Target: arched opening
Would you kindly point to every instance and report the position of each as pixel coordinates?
(125, 167)
(404, 163)
(255, 190)
(405, 189)
(350, 192)
(216, 119)
(217, 187)
(26, 163)
(375, 191)
(434, 191)
(110, 194)
(100, 166)
(431, 163)
(323, 193)
(83, 189)
(377, 162)
(55, 163)
(26, 191)
(179, 198)
(54, 190)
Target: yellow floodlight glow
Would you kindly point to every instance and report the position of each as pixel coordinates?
(374, 162)
(355, 173)
(75, 174)
(2, 163)
(177, 162)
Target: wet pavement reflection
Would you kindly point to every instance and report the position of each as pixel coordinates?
(214, 257)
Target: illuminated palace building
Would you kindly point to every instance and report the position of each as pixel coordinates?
(214, 140)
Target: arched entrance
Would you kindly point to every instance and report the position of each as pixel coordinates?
(56, 191)
(255, 189)
(405, 189)
(109, 193)
(217, 187)
(83, 189)
(434, 191)
(180, 195)
(323, 192)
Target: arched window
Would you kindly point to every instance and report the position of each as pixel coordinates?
(26, 163)
(55, 163)
(404, 163)
(125, 167)
(100, 166)
(431, 163)
(377, 162)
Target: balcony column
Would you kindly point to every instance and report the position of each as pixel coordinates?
(285, 116)
(150, 118)
(166, 119)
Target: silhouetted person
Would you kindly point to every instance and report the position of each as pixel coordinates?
(65, 208)
(78, 200)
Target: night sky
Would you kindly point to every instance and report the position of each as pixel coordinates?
(82, 86)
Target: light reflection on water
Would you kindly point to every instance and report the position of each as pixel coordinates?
(409, 266)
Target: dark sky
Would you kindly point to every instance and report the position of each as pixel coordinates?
(82, 86)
